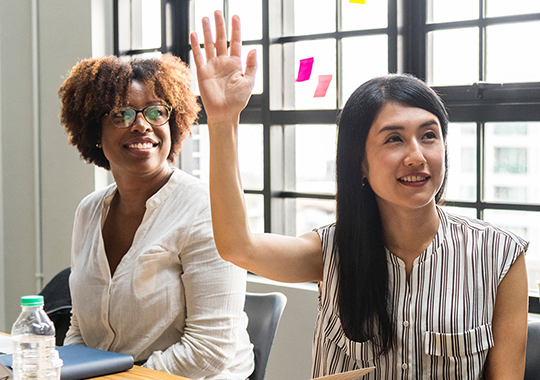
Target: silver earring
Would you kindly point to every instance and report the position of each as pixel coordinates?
(364, 182)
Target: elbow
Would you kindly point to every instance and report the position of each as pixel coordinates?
(234, 253)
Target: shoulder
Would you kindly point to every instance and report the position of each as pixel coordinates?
(482, 228)
(188, 184)
(481, 240)
(95, 198)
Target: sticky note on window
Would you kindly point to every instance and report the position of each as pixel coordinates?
(304, 71)
(322, 86)
(357, 1)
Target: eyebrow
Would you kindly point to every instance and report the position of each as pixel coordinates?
(425, 124)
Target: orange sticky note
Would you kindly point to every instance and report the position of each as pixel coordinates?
(357, 1)
(322, 86)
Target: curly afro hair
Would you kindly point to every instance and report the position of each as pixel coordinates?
(97, 85)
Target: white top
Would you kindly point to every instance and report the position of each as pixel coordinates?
(442, 317)
(172, 299)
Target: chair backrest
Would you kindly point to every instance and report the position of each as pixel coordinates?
(264, 312)
(532, 366)
(58, 303)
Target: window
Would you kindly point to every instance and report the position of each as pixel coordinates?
(478, 54)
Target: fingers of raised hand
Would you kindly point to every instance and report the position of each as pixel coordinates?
(221, 35)
(196, 49)
(236, 39)
(208, 40)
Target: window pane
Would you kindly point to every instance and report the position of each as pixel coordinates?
(308, 17)
(371, 15)
(250, 13)
(313, 213)
(451, 63)
(496, 8)
(525, 224)
(250, 154)
(200, 9)
(146, 24)
(455, 10)
(255, 212)
(512, 164)
(300, 95)
(461, 143)
(315, 157)
(510, 52)
(356, 69)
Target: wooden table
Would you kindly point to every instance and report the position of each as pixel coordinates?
(140, 373)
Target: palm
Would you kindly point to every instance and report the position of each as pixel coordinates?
(225, 89)
(223, 86)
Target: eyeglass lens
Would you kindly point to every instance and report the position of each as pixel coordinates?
(155, 115)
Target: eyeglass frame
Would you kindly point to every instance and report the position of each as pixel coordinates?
(168, 108)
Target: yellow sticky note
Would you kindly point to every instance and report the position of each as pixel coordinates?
(357, 1)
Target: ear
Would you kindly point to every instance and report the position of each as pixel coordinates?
(365, 169)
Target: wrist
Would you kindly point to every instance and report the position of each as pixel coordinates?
(220, 121)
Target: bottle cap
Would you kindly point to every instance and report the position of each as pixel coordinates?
(32, 301)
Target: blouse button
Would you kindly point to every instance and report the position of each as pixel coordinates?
(404, 366)
(405, 323)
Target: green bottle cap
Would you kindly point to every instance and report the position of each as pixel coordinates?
(32, 301)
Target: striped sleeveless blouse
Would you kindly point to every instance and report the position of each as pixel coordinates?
(442, 317)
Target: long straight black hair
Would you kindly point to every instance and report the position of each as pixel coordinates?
(363, 272)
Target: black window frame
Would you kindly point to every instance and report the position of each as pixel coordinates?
(407, 30)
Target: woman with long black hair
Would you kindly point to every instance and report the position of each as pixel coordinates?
(403, 285)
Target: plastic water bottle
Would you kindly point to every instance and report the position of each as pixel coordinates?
(34, 353)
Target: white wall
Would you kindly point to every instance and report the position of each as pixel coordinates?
(42, 176)
(290, 357)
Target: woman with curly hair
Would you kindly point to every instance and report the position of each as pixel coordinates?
(146, 277)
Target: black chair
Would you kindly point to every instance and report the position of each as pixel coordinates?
(264, 312)
(532, 366)
(58, 303)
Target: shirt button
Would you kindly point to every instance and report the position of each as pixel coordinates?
(405, 323)
(404, 366)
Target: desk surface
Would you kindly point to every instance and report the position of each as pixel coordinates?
(140, 373)
(136, 373)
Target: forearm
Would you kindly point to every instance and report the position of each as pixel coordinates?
(229, 219)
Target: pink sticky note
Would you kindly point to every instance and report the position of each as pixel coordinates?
(322, 86)
(304, 71)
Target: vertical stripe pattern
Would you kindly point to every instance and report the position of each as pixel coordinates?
(442, 314)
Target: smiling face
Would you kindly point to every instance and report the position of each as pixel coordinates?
(142, 148)
(405, 157)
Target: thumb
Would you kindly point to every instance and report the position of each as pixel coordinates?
(251, 66)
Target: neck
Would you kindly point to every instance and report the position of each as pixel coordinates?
(133, 192)
(407, 233)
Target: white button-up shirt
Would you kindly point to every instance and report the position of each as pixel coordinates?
(172, 301)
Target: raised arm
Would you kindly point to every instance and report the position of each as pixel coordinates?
(225, 90)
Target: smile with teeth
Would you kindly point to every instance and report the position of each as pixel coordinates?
(146, 145)
(413, 178)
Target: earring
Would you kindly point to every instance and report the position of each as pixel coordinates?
(364, 182)
(98, 146)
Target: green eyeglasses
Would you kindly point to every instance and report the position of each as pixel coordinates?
(154, 114)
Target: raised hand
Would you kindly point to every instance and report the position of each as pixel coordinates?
(225, 89)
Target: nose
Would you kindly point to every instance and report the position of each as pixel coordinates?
(140, 124)
(414, 156)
